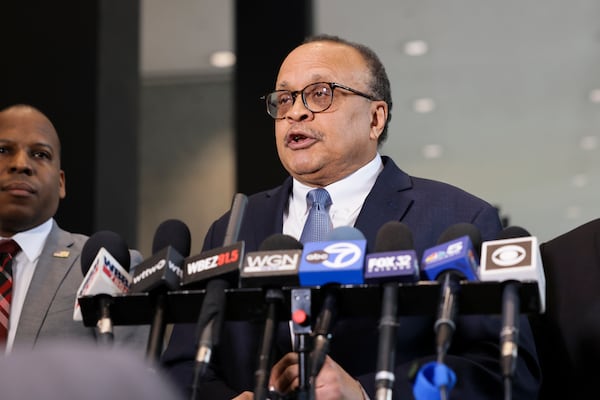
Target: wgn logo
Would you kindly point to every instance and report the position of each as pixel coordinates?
(337, 255)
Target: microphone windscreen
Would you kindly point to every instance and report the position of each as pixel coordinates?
(344, 233)
(462, 229)
(512, 232)
(394, 236)
(280, 241)
(175, 233)
(112, 242)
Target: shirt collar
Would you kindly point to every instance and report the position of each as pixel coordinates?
(346, 193)
(32, 241)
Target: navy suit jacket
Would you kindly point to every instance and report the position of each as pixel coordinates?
(428, 207)
(568, 333)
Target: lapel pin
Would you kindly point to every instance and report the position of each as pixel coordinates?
(61, 254)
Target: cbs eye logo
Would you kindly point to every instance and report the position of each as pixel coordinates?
(508, 256)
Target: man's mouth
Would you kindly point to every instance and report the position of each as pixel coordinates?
(299, 141)
(18, 188)
(296, 138)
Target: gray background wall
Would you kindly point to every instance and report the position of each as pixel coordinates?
(511, 82)
(186, 157)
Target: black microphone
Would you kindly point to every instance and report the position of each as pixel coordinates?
(512, 258)
(105, 263)
(276, 264)
(273, 267)
(393, 261)
(212, 313)
(222, 263)
(172, 233)
(456, 258)
(337, 260)
(161, 273)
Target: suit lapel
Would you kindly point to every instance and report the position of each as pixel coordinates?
(53, 265)
(386, 202)
(267, 217)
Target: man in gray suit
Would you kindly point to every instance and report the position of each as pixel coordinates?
(46, 271)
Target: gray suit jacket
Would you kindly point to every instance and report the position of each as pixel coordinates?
(47, 314)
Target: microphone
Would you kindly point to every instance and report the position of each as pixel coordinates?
(223, 262)
(274, 266)
(512, 258)
(455, 258)
(393, 261)
(161, 273)
(221, 267)
(105, 263)
(339, 260)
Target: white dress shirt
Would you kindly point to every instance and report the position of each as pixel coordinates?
(347, 198)
(23, 265)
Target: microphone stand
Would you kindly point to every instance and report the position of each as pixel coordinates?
(305, 389)
(213, 308)
(444, 325)
(274, 298)
(157, 329)
(209, 327)
(104, 324)
(388, 325)
(322, 330)
(509, 336)
(301, 306)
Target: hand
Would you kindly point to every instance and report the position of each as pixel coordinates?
(332, 383)
(244, 396)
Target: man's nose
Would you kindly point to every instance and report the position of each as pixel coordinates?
(21, 162)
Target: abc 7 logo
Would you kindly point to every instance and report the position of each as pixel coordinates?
(342, 255)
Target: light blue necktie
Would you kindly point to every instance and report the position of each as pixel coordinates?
(318, 224)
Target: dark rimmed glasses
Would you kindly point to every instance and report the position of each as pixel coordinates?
(317, 97)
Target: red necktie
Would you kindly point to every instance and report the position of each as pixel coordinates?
(8, 249)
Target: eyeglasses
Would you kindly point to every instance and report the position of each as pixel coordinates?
(317, 97)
